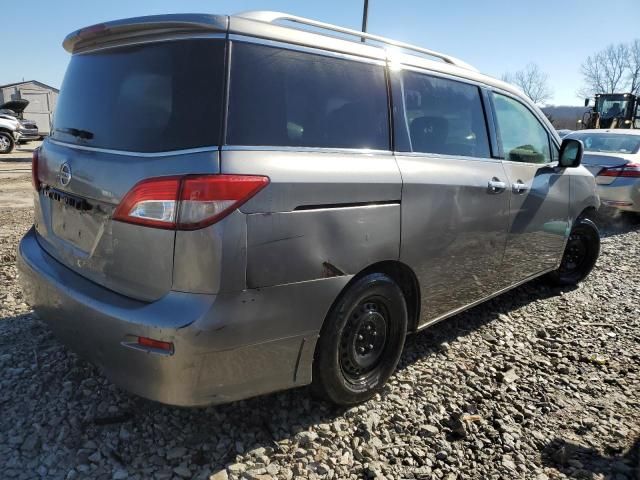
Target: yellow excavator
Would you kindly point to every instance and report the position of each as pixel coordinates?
(612, 110)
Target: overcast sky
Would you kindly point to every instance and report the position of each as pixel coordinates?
(494, 35)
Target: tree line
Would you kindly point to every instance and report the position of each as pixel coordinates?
(615, 69)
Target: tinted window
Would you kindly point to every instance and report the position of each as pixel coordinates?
(444, 116)
(146, 98)
(286, 98)
(523, 137)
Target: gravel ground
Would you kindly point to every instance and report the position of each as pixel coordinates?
(538, 383)
(15, 177)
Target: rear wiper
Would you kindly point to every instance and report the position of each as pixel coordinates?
(76, 132)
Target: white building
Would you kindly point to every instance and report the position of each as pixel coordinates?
(42, 101)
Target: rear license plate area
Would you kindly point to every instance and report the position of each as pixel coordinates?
(74, 220)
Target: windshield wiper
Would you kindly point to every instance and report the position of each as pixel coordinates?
(76, 132)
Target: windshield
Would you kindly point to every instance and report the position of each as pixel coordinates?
(610, 108)
(150, 97)
(609, 143)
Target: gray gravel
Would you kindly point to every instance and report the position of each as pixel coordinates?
(539, 383)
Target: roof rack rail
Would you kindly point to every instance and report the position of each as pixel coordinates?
(273, 17)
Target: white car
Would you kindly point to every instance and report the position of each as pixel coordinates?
(14, 110)
(9, 133)
(563, 132)
(613, 157)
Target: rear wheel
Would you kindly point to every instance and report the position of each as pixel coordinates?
(361, 341)
(6, 142)
(580, 254)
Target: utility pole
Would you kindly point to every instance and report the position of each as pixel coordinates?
(365, 15)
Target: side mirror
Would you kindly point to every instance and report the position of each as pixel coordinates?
(571, 152)
(586, 102)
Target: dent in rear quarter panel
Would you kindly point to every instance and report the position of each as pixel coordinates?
(583, 193)
(327, 235)
(212, 259)
(262, 337)
(304, 245)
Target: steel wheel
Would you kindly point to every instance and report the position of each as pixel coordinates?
(361, 340)
(364, 339)
(580, 254)
(575, 254)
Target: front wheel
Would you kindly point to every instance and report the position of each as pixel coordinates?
(6, 142)
(580, 254)
(361, 341)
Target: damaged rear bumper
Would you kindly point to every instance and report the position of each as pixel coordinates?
(225, 347)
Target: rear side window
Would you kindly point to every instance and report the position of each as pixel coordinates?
(443, 116)
(281, 97)
(523, 137)
(150, 97)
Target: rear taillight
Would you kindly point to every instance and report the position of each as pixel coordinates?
(206, 199)
(35, 179)
(630, 170)
(151, 202)
(155, 344)
(187, 202)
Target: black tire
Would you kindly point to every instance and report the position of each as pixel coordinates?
(7, 142)
(580, 255)
(361, 341)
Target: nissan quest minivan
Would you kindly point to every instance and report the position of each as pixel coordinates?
(233, 205)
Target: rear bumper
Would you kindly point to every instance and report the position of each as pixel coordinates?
(622, 193)
(226, 347)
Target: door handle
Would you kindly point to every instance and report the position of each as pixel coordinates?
(519, 187)
(496, 185)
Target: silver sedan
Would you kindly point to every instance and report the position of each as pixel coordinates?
(613, 157)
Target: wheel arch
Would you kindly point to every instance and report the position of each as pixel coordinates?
(590, 213)
(406, 279)
(324, 376)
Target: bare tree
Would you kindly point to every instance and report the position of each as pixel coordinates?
(593, 73)
(634, 67)
(533, 82)
(604, 72)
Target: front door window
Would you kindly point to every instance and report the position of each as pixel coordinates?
(524, 139)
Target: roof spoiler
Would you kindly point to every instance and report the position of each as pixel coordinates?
(104, 33)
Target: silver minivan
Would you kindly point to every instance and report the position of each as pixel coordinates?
(233, 205)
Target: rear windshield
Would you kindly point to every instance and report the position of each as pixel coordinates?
(609, 143)
(151, 97)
